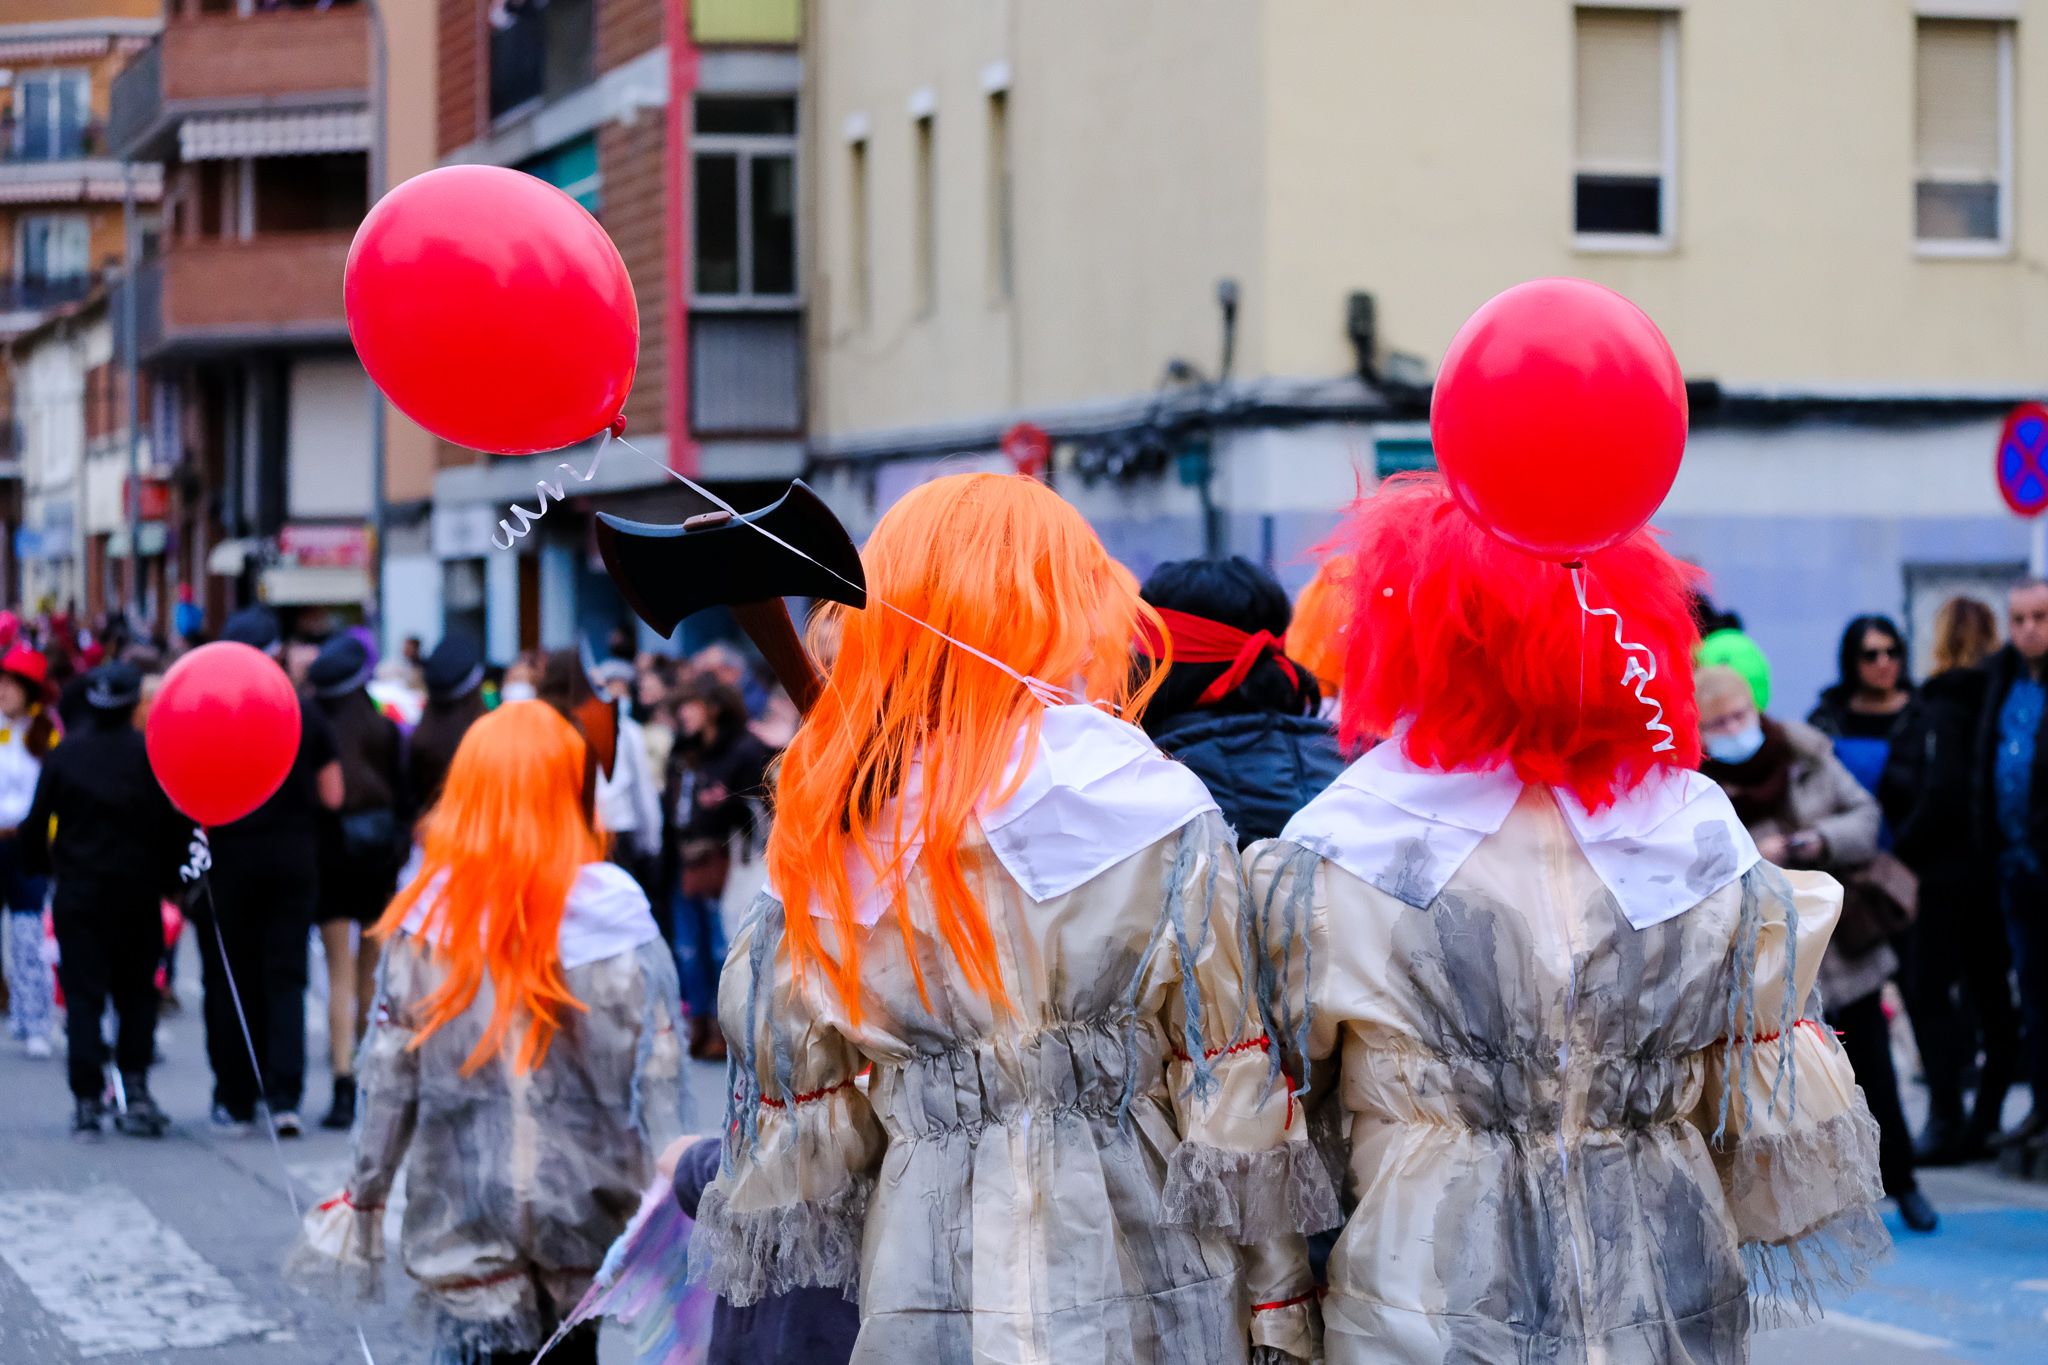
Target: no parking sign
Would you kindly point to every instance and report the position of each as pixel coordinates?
(2023, 459)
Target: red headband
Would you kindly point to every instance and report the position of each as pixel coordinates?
(1198, 640)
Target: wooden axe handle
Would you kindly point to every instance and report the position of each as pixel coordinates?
(768, 625)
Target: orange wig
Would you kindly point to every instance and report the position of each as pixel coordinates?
(1482, 653)
(1322, 616)
(508, 836)
(998, 562)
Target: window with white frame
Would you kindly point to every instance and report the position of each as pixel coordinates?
(1625, 132)
(744, 158)
(51, 110)
(52, 247)
(1962, 135)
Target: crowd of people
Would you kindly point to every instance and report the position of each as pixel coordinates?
(526, 919)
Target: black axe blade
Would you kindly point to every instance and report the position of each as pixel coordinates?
(667, 573)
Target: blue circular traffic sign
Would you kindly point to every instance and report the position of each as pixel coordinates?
(2023, 459)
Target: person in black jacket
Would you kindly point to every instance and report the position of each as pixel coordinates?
(1234, 707)
(2011, 804)
(362, 847)
(116, 852)
(454, 675)
(264, 888)
(717, 772)
(1957, 965)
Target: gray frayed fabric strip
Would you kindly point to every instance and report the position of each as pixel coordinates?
(1250, 1196)
(750, 1256)
(1788, 1280)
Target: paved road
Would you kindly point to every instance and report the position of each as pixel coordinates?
(128, 1252)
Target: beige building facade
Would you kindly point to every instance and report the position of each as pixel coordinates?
(1023, 211)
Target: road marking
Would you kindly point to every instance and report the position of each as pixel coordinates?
(117, 1280)
(1884, 1331)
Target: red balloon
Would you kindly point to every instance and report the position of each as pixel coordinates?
(1559, 417)
(493, 310)
(223, 731)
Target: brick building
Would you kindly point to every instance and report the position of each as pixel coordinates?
(61, 229)
(675, 123)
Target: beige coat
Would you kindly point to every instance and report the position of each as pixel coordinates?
(1825, 797)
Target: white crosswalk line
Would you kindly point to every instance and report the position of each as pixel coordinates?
(117, 1280)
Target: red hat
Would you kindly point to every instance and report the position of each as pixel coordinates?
(26, 664)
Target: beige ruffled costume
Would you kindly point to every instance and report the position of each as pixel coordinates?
(1111, 1171)
(1572, 1066)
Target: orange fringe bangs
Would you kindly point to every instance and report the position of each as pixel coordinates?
(999, 562)
(509, 834)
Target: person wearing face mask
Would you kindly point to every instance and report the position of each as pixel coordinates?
(1805, 809)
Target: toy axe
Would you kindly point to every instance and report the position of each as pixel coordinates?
(717, 559)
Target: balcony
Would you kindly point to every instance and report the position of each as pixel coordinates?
(224, 63)
(76, 168)
(24, 303)
(210, 297)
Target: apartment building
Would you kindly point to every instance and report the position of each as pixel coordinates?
(61, 230)
(1207, 256)
(677, 125)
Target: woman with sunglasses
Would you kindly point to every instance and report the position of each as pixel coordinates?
(1870, 707)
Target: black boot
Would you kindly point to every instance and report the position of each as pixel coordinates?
(343, 1114)
(85, 1119)
(141, 1117)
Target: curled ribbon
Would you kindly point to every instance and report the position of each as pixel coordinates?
(1639, 674)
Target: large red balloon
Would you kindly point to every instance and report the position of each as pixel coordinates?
(493, 310)
(223, 731)
(1559, 417)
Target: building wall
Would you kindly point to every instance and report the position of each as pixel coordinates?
(412, 145)
(1137, 168)
(1794, 261)
(77, 11)
(461, 56)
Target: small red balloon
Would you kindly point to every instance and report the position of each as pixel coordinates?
(223, 732)
(492, 309)
(1559, 417)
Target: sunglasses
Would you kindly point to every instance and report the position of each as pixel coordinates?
(1871, 656)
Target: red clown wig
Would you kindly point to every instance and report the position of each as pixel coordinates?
(1477, 655)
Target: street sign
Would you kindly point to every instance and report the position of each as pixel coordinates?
(1029, 449)
(2023, 459)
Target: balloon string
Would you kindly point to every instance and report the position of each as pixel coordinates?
(548, 492)
(1640, 672)
(1047, 694)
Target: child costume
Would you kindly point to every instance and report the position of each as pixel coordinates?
(1558, 1019)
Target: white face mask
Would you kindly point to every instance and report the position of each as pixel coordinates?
(518, 691)
(1739, 747)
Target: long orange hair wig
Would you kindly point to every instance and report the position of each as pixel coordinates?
(1477, 655)
(1000, 563)
(501, 848)
(1322, 620)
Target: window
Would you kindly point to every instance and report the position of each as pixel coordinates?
(1626, 127)
(52, 248)
(540, 50)
(744, 154)
(570, 168)
(1962, 116)
(328, 192)
(926, 227)
(859, 267)
(51, 109)
(1001, 278)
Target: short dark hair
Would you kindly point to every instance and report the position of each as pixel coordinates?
(1240, 594)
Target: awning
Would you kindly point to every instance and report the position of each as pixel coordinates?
(221, 137)
(287, 585)
(228, 558)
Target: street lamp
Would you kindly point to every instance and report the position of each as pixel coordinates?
(379, 510)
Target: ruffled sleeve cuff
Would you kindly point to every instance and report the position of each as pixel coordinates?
(340, 1249)
(1801, 1175)
(790, 1210)
(1245, 1166)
